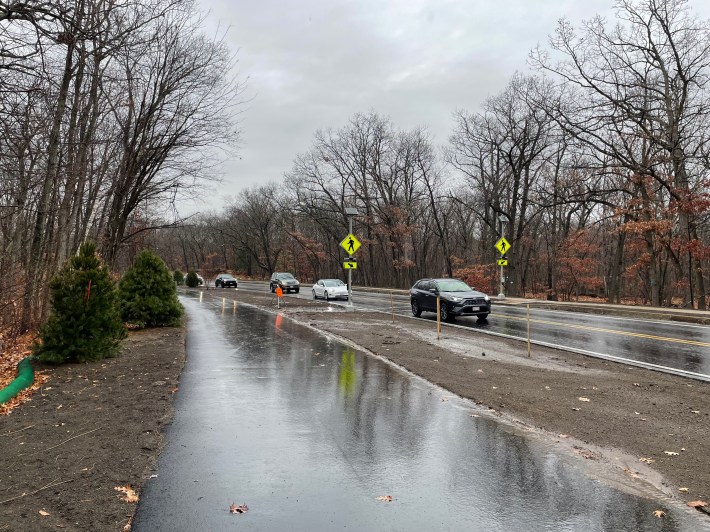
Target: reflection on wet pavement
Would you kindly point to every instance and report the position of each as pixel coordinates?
(308, 433)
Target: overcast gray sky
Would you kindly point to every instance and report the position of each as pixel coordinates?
(312, 64)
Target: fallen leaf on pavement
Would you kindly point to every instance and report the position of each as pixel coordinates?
(636, 384)
(385, 498)
(564, 435)
(659, 513)
(130, 494)
(697, 504)
(683, 490)
(695, 411)
(42, 512)
(234, 509)
(585, 399)
(575, 409)
(646, 460)
(671, 453)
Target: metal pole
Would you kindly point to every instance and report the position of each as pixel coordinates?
(438, 316)
(528, 330)
(501, 294)
(392, 303)
(350, 270)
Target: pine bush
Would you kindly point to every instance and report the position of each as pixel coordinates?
(84, 323)
(191, 279)
(178, 277)
(147, 293)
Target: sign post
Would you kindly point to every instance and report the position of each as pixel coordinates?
(503, 246)
(350, 244)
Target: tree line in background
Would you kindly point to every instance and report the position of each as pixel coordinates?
(595, 167)
(109, 109)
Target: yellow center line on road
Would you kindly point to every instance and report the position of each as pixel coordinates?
(614, 331)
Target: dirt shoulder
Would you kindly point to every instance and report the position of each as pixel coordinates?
(94, 427)
(89, 429)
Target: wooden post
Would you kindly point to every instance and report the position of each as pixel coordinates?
(392, 303)
(528, 330)
(438, 316)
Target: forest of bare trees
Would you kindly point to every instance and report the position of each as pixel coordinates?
(595, 164)
(107, 111)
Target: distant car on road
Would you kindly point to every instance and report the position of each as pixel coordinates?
(457, 299)
(225, 280)
(330, 289)
(286, 281)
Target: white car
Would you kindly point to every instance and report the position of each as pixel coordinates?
(330, 289)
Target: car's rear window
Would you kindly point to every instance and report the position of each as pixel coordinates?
(453, 286)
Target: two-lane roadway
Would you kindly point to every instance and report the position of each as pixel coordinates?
(674, 347)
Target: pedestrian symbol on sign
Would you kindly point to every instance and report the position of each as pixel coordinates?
(503, 246)
(350, 244)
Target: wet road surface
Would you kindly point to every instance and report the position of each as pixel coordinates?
(308, 433)
(680, 346)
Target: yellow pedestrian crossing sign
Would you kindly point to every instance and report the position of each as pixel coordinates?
(350, 265)
(350, 244)
(503, 246)
(502, 262)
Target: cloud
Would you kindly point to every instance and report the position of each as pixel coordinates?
(312, 64)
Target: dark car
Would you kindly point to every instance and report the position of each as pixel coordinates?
(286, 281)
(457, 299)
(225, 280)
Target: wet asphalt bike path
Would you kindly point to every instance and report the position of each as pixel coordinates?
(308, 433)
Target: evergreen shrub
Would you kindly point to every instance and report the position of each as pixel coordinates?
(147, 293)
(84, 324)
(178, 277)
(191, 279)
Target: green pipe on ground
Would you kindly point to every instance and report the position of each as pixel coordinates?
(25, 378)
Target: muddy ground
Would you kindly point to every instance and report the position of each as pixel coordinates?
(94, 427)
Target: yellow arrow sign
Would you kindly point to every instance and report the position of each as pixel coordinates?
(503, 246)
(350, 244)
(350, 265)
(502, 262)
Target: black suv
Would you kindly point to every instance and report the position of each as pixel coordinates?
(457, 299)
(286, 281)
(225, 280)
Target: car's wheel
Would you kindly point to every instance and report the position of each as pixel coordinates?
(416, 311)
(296, 290)
(272, 288)
(314, 294)
(482, 317)
(327, 298)
(216, 284)
(444, 312)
